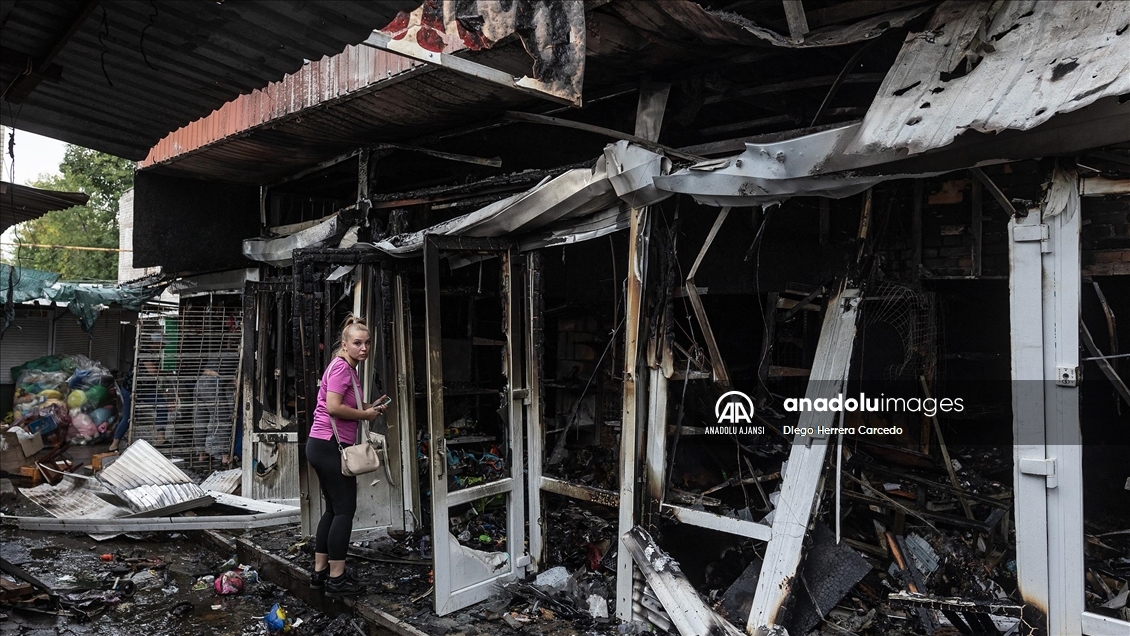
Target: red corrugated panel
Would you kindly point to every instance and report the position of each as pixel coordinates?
(328, 79)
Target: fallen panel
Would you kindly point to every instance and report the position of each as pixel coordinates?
(1039, 59)
(738, 599)
(146, 481)
(691, 616)
(157, 524)
(805, 465)
(252, 505)
(223, 481)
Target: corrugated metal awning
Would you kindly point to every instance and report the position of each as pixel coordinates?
(19, 203)
(117, 76)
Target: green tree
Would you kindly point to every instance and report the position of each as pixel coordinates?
(102, 177)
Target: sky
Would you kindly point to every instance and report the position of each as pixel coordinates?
(35, 155)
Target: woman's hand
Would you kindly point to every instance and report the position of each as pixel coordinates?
(371, 413)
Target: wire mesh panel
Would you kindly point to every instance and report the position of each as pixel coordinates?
(185, 379)
(910, 313)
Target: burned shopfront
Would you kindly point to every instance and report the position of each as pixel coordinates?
(856, 371)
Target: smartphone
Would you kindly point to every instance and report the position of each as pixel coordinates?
(383, 401)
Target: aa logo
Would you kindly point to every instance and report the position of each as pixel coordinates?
(734, 407)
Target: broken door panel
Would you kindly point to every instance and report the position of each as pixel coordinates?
(270, 433)
(474, 485)
(799, 487)
(401, 448)
(378, 498)
(321, 303)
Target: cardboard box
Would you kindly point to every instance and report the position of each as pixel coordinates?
(18, 451)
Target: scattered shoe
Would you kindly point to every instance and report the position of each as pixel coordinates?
(338, 586)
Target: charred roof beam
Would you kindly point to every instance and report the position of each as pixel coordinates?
(22, 87)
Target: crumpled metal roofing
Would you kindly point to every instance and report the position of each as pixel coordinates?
(624, 173)
(147, 481)
(19, 203)
(134, 71)
(223, 481)
(73, 498)
(1040, 58)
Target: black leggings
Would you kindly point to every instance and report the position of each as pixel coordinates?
(340, 495)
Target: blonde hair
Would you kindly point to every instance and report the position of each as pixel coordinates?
(352, 323)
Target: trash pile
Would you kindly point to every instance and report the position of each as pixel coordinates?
(581, 597)
(594, 466)
(580, 589)
(483, 525)
(1107, 576)
(64, 399)
(25, 592)
(920, 548)
(228, 578)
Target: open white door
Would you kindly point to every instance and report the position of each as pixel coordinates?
(465, 575)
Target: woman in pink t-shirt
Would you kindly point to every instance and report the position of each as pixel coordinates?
(338, 399)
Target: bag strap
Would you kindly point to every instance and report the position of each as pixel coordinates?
(359, 400)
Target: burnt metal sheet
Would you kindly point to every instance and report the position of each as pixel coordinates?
(280, 251)
(819, 164)
(118, 75)
(685, 21)
(579, 230)
(19, 203)
(581, 201)
(1034, 59)
(415, 102)
(146, 481)
(552, 32)
(686, 609)
(769, 173)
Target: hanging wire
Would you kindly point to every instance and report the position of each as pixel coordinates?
(104, 32)
(141, 42)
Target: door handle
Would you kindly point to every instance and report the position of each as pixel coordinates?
(441, 457)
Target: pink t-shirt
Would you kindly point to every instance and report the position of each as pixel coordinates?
(339, 378)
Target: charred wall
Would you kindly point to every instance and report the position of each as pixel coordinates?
(185, 225)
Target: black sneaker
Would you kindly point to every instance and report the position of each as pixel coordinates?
(343, 585)
(318, 579)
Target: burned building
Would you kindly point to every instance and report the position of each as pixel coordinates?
(777, 316)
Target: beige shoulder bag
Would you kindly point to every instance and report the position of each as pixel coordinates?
(361, 457)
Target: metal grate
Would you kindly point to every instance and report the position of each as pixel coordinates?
(184, 387)
(910, 312)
